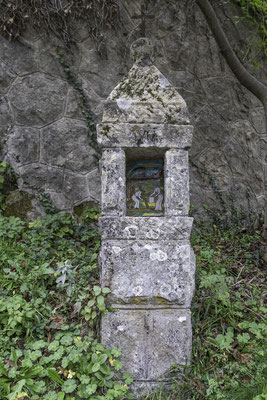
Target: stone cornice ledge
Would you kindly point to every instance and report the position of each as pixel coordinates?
(146, 228)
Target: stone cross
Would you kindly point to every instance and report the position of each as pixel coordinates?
(143, 17)
(146, 259)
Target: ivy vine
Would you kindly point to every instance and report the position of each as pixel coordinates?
(83, 102)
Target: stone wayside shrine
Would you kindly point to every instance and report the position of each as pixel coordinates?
(146, 259)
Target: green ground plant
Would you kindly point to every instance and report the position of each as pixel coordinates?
(50, 307)
(229, 320)
(51, 304)
(254, 12)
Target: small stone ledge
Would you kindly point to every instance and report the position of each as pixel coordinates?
(144, 135)
(146, 228)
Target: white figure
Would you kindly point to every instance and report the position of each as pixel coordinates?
(136, 198)
(157, 193)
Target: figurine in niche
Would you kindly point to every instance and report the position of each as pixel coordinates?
(157, 193)
(145, 187)
(137, 198)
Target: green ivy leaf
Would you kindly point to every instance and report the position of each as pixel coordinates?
(128, 378)
(96, 367)
(116, 352)
(54, 376)
(244, 338)
(69, 386)
(97, 290)
(39, 386)
(53, 346)
(117, 365)
(106, 290)
(26, 363)
(84, 379)
(66, 340)
(91, 389)
(91, 303)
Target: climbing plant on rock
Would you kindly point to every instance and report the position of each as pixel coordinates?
(82, 102)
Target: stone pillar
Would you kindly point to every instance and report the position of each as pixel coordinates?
(146, 259)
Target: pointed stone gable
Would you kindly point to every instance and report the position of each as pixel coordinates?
(145, 96)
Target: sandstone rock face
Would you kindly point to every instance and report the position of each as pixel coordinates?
(42, 127)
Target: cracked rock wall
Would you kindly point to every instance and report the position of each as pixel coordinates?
(43, 133)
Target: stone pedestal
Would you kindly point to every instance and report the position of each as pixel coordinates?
(146, 259)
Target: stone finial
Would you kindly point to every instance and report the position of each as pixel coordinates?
(142, 51)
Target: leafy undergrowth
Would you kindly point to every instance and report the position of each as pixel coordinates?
(50, 307)
(229, 326)
(51, 304)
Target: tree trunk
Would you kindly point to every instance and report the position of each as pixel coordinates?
(244, 77)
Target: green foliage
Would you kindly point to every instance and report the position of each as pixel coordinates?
(229, 321)
(255, 13)
(8, 181)
(49, 346)
(50, 308)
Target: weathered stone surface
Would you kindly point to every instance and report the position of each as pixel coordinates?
(204, 136)
(19, 204)
(38, 100)
(154, 273)
(113, 182)
(60, 201)
(42, 176)
(6, 77)
(145, 96)
(65, 143)
(19, 57)
(5, 113)
(263, 148)
(246, 136)
(144, 135)
(73, 109)
(257, 118)
(146, 228)
(75, 187)
(213, 166)
(23, 145)
(101, 76)
(176, 183)
(94, 184)
(145, 388)
(221, 95)
(151, 341)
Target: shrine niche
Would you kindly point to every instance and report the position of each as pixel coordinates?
(145, 188)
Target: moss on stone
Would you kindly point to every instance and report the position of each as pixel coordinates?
(18, 204)
(81, 208)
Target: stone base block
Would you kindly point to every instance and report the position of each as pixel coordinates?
(144, 388)
(151, 340)
(142, 273)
